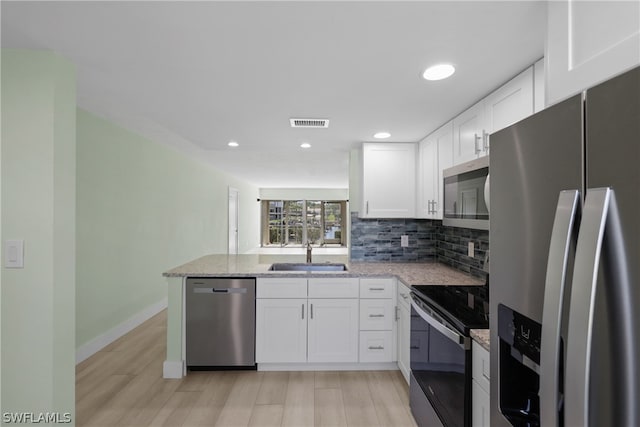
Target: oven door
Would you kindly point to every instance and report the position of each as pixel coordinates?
(440, 361)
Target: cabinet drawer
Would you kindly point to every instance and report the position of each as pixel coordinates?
(333, 288)
(377, 288)
(480, 365)
(281, 288)
(376, 346)
(404, 298)
(377, 315)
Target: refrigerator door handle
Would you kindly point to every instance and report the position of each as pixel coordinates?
(595, 245)
(563, 235)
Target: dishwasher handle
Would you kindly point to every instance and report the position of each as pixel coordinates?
(209, 290)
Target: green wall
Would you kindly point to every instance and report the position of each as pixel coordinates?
(38, 205)
(143, 208)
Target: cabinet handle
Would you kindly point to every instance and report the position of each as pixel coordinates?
(377, 347)
(367, 209)
(397, 315)
(376, 315)
(405, 296)
(435, 207)
(376, 289)
(476, 138)
(485, 141)
(312, 311)
(303, 311)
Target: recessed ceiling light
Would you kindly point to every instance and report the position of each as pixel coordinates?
(233, 144)
(382, 135)
(305, 145)
(439, 72)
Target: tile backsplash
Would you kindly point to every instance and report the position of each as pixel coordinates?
(378, 240)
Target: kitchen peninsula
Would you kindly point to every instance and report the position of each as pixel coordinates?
(257, 266)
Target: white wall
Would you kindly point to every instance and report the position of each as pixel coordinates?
(144, 208)
(332, 194)
(587, 43)
(38, 205)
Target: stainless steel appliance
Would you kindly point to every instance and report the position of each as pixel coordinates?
(220, 322)
(565, 268)
(466, 194)
(440, 354)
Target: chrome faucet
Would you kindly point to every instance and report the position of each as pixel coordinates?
(308, 252)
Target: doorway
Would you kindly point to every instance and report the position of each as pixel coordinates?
(233, 221)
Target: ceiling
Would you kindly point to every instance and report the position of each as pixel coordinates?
(196, 75)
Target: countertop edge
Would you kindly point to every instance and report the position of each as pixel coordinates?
(481, 336)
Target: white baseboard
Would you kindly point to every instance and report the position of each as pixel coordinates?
(172, 369)
(101, 341)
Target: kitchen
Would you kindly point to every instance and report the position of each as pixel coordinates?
(139, 166)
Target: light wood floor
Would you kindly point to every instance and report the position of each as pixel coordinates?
(122, 385)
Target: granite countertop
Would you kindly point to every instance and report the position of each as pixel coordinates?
(416, 273)
(481, 336)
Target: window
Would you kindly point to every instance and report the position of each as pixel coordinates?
(294, 222)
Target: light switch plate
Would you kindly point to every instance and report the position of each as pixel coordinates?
(14, 253)
(404, 240)
(471, 252)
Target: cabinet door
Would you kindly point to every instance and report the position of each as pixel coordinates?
(444, 138)
(479, 406)
(404, 337)
(467, 134)
(281, 330)
(510, 103)
(428, 177)
(333, 330)
(389, 180)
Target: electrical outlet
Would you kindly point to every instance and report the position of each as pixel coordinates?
(471, 251)
(404, 241)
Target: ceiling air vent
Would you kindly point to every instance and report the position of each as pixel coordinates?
(309, 123)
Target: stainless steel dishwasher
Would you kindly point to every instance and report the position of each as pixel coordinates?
(220, 322)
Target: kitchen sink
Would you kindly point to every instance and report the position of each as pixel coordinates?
(300, 266)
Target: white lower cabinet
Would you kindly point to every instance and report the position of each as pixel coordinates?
(333, 330)
(376, 346)
(404, 330)
(281, 330)
(292, 327)
(377, 320)
(480, 386)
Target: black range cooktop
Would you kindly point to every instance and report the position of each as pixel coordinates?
(467, 307)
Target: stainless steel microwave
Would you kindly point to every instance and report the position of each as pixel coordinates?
(466, 194)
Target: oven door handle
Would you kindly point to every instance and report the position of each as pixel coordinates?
(454, 336)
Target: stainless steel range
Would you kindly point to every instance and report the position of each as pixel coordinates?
(440, 357)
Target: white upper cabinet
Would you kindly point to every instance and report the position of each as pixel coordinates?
(444, 136)
(602, 41)
(428, 177)
(538, 86)
(469, 134)
(510, 103)
(435, 154)
(388, 180)
(505, 106)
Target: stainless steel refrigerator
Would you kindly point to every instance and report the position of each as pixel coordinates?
(565, 262)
